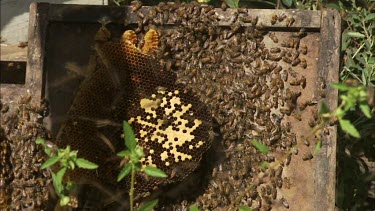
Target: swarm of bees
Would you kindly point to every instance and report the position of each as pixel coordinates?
(249, 88)
(22, 184)
(169, 92)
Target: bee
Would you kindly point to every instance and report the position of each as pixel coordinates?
(296, 61)
(259, 201)
(279, 182)
(289, 21)
(136, 5)
(273, 37)
(306, 142)
(290, 43)
(275, 57)
(278, 69)
(254, 21)
(224, 6)
(282, 17)
(275, 50)
(303, 63)
(299, 34)
(22, 44)
(326, 131)
(274, 193)
(307, 156)
(285, 203)
(273, 19)
(312, 123)
(287, 60)
(303, 49)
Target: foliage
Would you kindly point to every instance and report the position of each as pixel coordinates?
(67, 160)
(132, 156)
(358, 44)
(350, 98)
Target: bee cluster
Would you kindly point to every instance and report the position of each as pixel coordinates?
(248, 86)
(23, 184)
(171, 125)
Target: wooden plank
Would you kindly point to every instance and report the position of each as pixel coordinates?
(13, 53)
(329, 65)
(94, 13)
(35, 62)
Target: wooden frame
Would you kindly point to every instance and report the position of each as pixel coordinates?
(326, 22)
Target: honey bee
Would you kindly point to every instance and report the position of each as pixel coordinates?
(282, 17)
(296, 61)
(289, 21)
(285, 203)
(224, 6)
(299, 34)
(303, 63)
(135, 5)
(287, 60)
(275, 57)
(303, 49)
(254, 21)
(275, 50)
(326, 131)
(273, 37)
(307, 156)
(273, 19)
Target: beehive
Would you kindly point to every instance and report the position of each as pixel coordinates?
(316, 178)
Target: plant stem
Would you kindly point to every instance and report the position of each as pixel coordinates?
(131, 192)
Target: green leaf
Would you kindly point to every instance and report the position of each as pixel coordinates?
(57, 180)
(73, 154)
(356, 35)
(287, 3)
(60, 174)
(323, 108)
(366, 110)
(125, 171)
(148, 206)
(232, 3)
(47, 151)
(139, 151)
(333, 6)
(340, 86)
(50, 162)
(261, 147)
(64, 201)
(57, 186)
(124, 153)
(134, 157)
(130, 141)
(40, 141)
(71, 164)
(318, 146)
(370, 17)
(193, 208)
(348, 127)
(264, 164)
(155, 172)
(244, 208)
(85, 164)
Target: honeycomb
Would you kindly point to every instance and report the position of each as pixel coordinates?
(171, 124)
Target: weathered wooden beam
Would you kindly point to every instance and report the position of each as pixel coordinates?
(328, 68)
